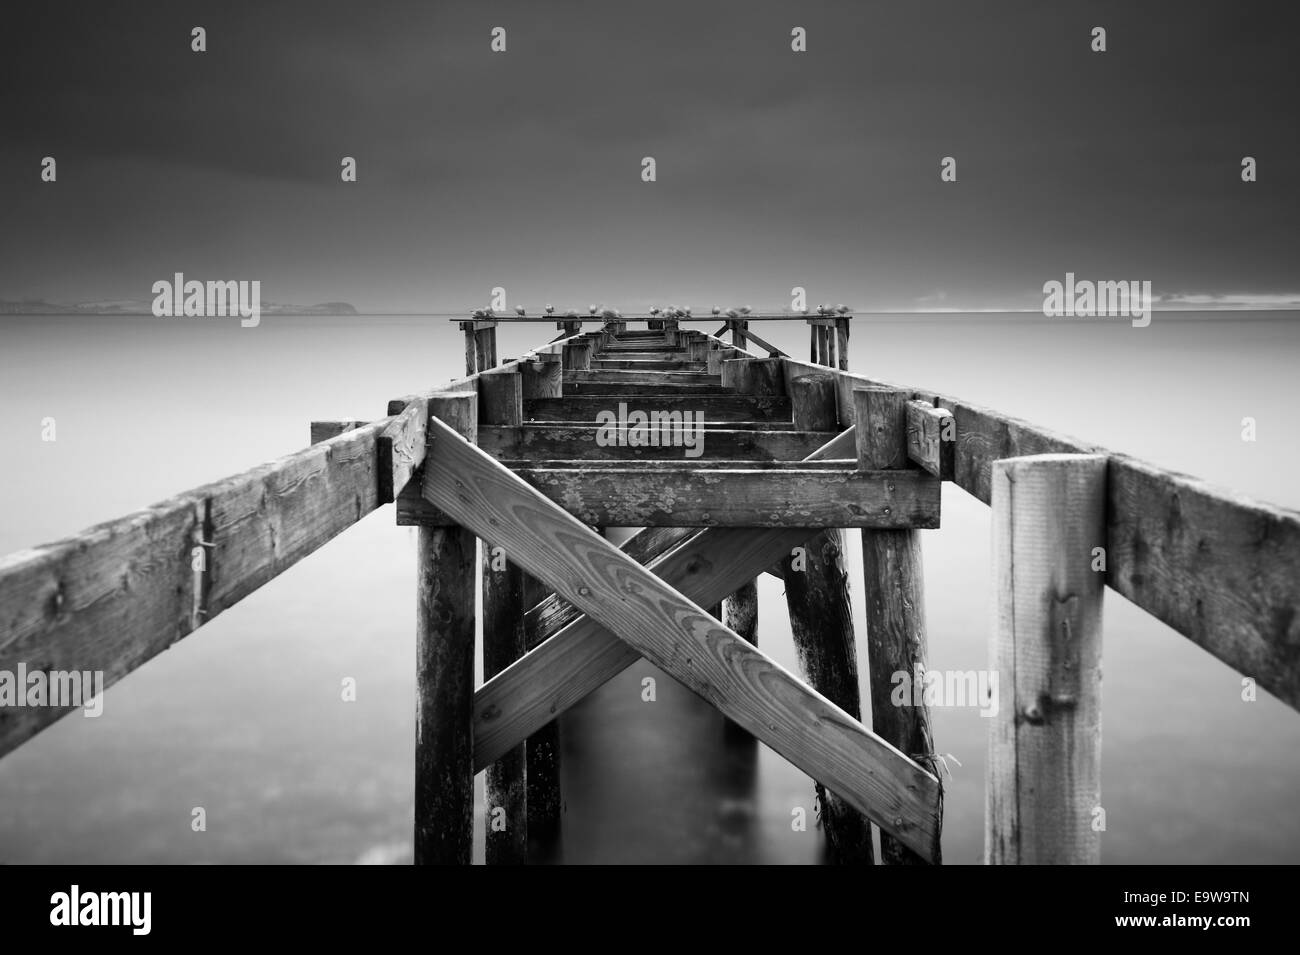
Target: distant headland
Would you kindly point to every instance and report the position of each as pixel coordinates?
(134, 307)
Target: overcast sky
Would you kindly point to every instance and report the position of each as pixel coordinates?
(523, 169)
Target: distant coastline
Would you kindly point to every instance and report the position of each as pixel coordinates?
(130, 307)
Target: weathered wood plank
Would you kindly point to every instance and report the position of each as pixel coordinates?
(1044, 772)
(114, 596)
(444, 675)
(931, 438)
(690, 497)
(895, 586)
(401, 448)
(541, 441)
(713, 408)
(677, 635)
(1219, 568)
(629, 378)
(324, 430)
(579, 389)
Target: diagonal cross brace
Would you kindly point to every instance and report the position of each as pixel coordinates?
(681, 638)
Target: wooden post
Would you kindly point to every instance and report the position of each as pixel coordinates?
(471, 348)
(814, 345)
(754, 376)
(504, 641)
(891, 565)
(842, 343)
(821, 622)
(543, 377)
(444, 674)
(1044, 772)
(812, 403)
(714, 357)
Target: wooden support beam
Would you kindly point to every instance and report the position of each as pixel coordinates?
(444, 672)
(754, 376)
(543, 378)
(115, 595)
(540, 441)
(1044, 772)
(812, 400)
(324, 430)
(401, 448)
(506, 825)
(676, 635)
(1218, 567)
(842, 344)
(691, 497)
(821, 623)
(931, 438)
(739, 407)
(894, 584)
(628, 379)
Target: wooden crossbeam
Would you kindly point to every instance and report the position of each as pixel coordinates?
(714, 408)
(680, 637)
(542, 441)
(691, 497)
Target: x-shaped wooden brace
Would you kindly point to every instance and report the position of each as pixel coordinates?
(652, 618)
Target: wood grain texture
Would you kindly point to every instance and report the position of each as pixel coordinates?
(444, 674)
(505, 784)
(821, 624)
(812, 400)
(324, 430)
(401, 449)
(691, 497)
(1044, 771)
(677, 635)
(894, 581)
(542, 441)
(712, 407)
(926, 446)
(625, 379)
(1218, 567)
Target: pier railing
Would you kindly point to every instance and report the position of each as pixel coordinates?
(796, 453)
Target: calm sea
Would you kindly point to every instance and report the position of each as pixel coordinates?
(245, 719)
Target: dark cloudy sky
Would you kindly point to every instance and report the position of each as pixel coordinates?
(775, 169)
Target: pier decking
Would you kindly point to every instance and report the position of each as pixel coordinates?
(733, 464)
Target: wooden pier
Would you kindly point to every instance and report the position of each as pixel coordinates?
(733, 463)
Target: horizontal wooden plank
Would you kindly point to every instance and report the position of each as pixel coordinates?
(931, 438)
(691, 497)
(324, 430)
(628, 379)
(649, 464)
(677, 635)
(574, 389)
(539, 441)
(712, 408)
(1216, 566)
(114, 596)
(647, 364)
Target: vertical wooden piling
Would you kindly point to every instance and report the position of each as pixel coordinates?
(444, 674)
(891, 565)
(812, 402)
(814, 345)
(501, 403)
(1043, 791)
(842, 344)
(543, 377)
(821, 623)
